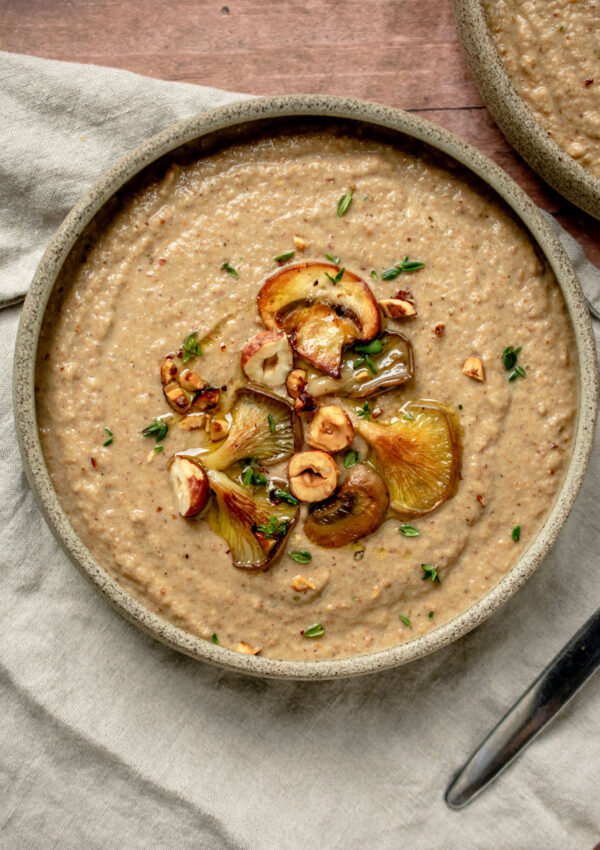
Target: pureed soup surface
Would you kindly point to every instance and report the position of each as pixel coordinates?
(153, 273)
(550, 49)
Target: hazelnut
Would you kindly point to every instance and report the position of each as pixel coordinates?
(190, 483)
(473, 367)
(397, 308)
(299, 243)
(295, 382)
(177, 398)
(439, 328)
(168, 370)
(312, 475)
(305, 402)
(247, 649)
(330, 429)
(192, 422)
(301, 584)
(206, 399)
(267, 358)
(191, 381)
(219, 428)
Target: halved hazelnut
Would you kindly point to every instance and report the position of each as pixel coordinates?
(190, 484)
(301, 584)
(330, 429)
(397, 308)
(312, 476)
(473, 367)
(219, 428)
(295, 382)
(267, 358)
(191, 381)
(247, 649)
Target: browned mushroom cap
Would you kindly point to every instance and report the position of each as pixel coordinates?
(355, 510)
(321, 307)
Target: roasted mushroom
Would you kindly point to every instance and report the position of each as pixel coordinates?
(382, 364)
(418, 455)
(263, 425)
(254, 528)
(355, 510)
(322, 308)
(190, 484)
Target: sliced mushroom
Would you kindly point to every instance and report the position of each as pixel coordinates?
(313, 476)
(190, 484)
(357, 509)
(254, 529)
(267, 358)
(263, 425)
(330, 429)
(392, 361)
(322, 308)
(418, 455)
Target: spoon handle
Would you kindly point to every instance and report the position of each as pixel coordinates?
(544, 698)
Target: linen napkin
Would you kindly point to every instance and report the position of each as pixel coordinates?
(110, 739)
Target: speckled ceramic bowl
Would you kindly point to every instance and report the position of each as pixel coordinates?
(224, 122)
(513, 116)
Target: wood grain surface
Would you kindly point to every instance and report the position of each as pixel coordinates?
(402, 53)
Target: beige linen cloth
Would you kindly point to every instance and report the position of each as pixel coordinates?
(111, 740)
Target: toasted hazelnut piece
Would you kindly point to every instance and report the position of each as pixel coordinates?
(190, 483)
(473, 367)
(191, 381)
(219, 428)
(299, 243)
(330, 429)
(312, 476)
(168, 370)
(397, 308)
(439, 328)
(177, 398)
(206, 399)
(247, 649)
(295, 382)
(301, 584)
(267, 358)
(305, 402)
(192, 422)
(362, 375)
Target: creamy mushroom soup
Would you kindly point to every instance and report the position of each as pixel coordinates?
(311, 395)
(551, 51)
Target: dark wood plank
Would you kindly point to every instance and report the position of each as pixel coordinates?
(404, 54)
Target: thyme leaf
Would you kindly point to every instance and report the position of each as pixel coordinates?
(227, 267)
(405, 266)
(314, 631)
(158, 429)
(344, 203)
(301, 556)
(190, 348)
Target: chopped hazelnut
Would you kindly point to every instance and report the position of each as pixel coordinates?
(330, 429)
(177, 398)
(312, 475)
(397, 308)
(192, 422)
(247, 649)
(439, 328)
(219, 428)
(206, 399)
(299, 243)
(168, 370)
(301, 584)
(361, 375)
(191, 381)
(295, 382)
(473, 367)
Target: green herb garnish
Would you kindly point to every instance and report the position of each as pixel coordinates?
(158, 449)
(373, 347)
(158, 429)
(214, 639)
(408, 416)
(344, 203)
(460, 407)
(430, 572)
(338, 276)
(519, 372)
(227, 267)
(361, 361)
(190, 348)
(431, 615)
(250, 477)
(275, 528)
(374, 274)
(406, 621)
(365, 412)
(516, 533)
(271, 422)
(335, 260)
(287, 255)
(314, 631)
(351, 459)
(509, 357)
(110, 438)
(405, 266)
(409, 531)
(301, 556)
(284, 496)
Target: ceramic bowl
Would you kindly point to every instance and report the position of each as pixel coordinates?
(513, 116)
(225, 122)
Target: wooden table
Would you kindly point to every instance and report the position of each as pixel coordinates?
(399, 52)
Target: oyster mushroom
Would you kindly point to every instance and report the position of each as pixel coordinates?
(330, 429)
(358, 508)
(267, 358)
(263, 425)
(418, 455)
(382, 364)
(313, 475)
(321, 307)
(190, 484)
(254, 528)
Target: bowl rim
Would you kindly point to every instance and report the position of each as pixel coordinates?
(514, 118)
(236, 115)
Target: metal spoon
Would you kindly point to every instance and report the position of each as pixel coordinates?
(542, 701)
